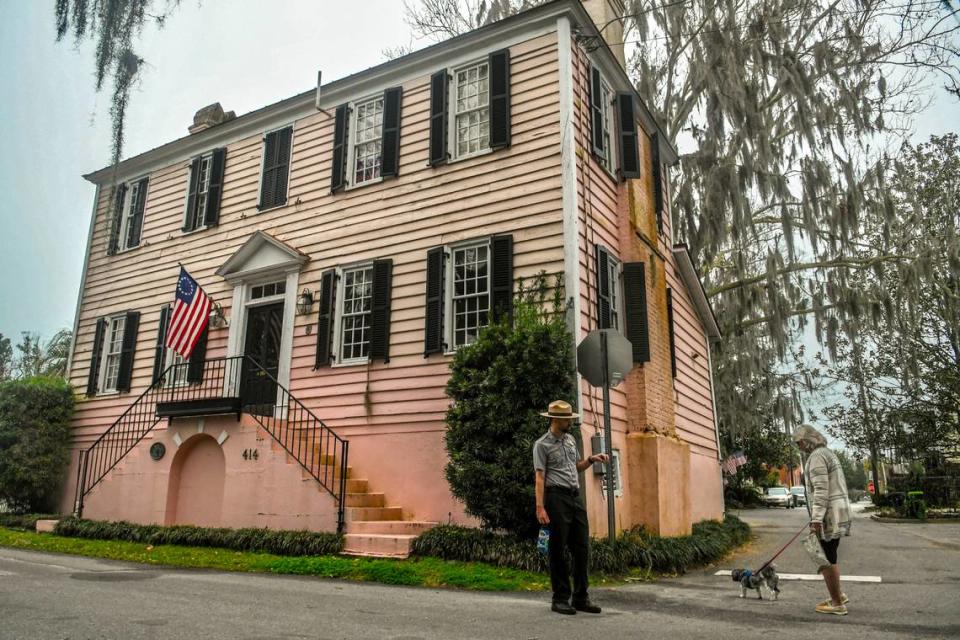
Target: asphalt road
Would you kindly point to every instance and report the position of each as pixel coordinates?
(61, 597)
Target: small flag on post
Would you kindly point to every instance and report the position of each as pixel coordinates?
(191, 313)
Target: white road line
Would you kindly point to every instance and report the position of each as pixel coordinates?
(812, 577)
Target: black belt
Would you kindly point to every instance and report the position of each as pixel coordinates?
(570, 491)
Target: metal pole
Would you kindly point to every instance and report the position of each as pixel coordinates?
(608, 441)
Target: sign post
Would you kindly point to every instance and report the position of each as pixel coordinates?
(604, 358)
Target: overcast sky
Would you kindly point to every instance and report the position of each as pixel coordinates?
(243, 53)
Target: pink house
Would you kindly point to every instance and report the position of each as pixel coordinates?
(353, 237)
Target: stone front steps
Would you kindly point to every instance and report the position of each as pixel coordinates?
(374, 529)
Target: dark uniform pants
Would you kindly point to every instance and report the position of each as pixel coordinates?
(568, 529)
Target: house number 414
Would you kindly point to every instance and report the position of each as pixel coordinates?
(250, 454)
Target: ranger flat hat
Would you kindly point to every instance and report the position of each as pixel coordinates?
(560, 409)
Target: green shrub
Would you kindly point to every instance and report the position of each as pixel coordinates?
(34, 442)
(26, 521)
(283, 543)
(499, 385)
(635, 549)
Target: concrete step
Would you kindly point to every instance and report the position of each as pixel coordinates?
(390, 527)
(374, 513)
(379, 546)
(364, 500)
(358, 486)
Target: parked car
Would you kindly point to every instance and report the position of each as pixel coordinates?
(779, 497)
(799, 494)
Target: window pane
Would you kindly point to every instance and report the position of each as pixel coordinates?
(355, 313)
(367, 140)
(470, 298)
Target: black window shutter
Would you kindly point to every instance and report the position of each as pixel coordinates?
(603, 287)
(325, 321)
(390, 163)
(127, 350)
(93, 378)
(380, 313)
(499, 70)
(198, 358)
(501, 277)
(629, 153)
(113, 241)
(284, 140)
(136, 220)
(215, 188)
(673, 344)
(339, 165)
(433, 326)
(635, 303)
(268, 181)
(160, 350)
(190, 221)
(596, 111)
(438, 118)
(658, 194)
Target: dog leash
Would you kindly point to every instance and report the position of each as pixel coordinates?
(782, 549)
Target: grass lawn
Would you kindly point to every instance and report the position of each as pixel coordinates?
(422, 572)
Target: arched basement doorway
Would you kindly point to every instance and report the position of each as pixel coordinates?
(195, 490)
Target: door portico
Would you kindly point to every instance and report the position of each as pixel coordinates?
(256, 271)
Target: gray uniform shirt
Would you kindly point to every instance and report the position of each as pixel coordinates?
(557, 458)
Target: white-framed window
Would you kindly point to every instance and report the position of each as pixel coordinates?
(354, 313)
(112, 348)
(197, 215)
(268, 290)
(614, 277)
(468, 292)
(131, 215)
(470, 124)
(607, 156)
(366, 141)
(176, 366)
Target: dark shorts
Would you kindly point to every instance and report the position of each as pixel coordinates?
(830, 549)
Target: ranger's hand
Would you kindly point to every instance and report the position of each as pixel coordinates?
(598, 457)
(542, 516)
(817, 528)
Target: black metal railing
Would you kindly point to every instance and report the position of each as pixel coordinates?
(225, 385)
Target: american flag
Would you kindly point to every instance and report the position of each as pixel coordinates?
(191, 312)
(733, 462)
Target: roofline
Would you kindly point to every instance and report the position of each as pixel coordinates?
(690, 277)
(304, 104)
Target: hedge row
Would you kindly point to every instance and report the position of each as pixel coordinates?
(633, 549)
(25, 521)
(283, 543)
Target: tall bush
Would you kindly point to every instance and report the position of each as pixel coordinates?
(34, 442)
(499, 385)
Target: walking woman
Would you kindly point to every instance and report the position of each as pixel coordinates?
(829, 508)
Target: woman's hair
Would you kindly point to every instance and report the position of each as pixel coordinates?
(809, 436)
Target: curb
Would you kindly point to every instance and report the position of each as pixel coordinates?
(877, 518)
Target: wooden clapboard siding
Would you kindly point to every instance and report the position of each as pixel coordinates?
(516, 190)
(695, 418)
(597, 194)
(611, 213)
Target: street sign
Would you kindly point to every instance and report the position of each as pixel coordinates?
(590, 357)
(604, 359)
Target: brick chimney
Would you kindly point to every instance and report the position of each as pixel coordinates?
(608, 16)
(210, 116)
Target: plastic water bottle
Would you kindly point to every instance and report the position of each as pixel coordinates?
(543, 540)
